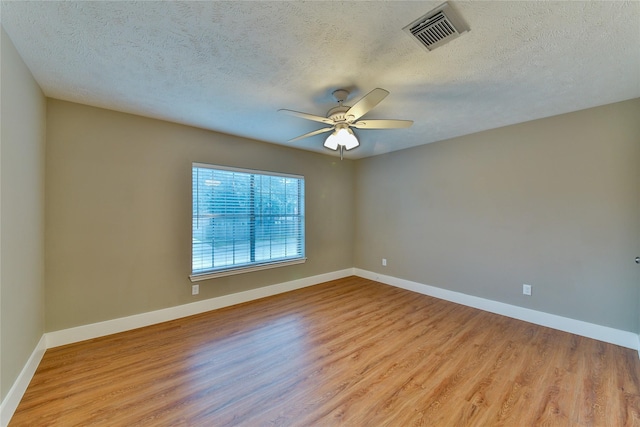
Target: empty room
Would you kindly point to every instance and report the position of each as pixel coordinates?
(322, 213)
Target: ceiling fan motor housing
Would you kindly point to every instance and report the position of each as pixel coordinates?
(337, 113)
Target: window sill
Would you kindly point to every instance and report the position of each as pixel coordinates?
(239, 270)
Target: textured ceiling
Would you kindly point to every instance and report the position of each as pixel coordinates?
(229, 66)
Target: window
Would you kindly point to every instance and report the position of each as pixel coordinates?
(245, 220)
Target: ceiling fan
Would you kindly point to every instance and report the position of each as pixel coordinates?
(342, 118)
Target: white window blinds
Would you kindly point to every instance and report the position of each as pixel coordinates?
(245, 220)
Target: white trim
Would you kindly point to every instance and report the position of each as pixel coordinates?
(94, 330)
(246, 269)
(578, 327)
(245, 170)
(12, 399)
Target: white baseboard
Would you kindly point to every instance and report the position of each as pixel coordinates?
(578, 327)
(95, 330)
(12, 399)
(108, 327)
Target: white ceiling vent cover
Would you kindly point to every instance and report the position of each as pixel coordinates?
(437, 27)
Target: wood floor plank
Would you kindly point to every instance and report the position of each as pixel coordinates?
(348, 352)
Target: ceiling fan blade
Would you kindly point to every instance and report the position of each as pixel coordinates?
(367, 102)
(382, 124)
(315, 132)
(308, 116)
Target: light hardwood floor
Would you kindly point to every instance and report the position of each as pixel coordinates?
(349, 352)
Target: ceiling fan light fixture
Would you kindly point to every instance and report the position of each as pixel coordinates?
(331, 142)
(343, 136)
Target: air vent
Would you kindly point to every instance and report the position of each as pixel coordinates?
(437, 27)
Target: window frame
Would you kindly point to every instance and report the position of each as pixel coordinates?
(255, 265)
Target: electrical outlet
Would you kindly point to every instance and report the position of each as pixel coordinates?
(526, 289)
(384, 262)
(195, 289)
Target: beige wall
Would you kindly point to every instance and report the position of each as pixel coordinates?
(118, 225)
(554, 203)
(21, 214)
